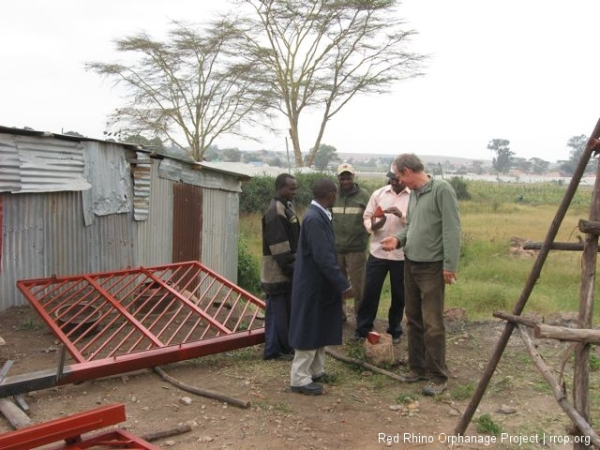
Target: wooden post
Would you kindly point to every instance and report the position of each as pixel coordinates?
(529, 285)
(558, 390)
(585, 336)
(581, 373)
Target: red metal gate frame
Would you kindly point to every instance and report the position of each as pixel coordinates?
(116, 322)
(71, 428)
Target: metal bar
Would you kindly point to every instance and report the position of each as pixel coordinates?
(66, 300)
(196, 309)
(123, 311)
(129, 362)
(63, 428)
(118, 439)
(21, 403)
(5, 369)
(61, 362)
(50, 322)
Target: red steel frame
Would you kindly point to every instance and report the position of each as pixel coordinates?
(116, 322)
(70, 430)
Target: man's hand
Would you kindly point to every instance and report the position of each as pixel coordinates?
(377, 224)
(389, 243)
(393, 210)
(449, 277)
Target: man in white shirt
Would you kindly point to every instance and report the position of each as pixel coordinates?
(384, 216)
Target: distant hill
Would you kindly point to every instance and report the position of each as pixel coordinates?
(427, 159)
(374, 161)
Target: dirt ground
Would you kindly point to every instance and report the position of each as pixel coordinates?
(360, 410)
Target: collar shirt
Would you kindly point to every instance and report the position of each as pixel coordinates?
(322, 209)
(385, 197)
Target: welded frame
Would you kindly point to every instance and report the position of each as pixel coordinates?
(115, 322)
(71, 429)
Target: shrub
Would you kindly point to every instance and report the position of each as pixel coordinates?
(460, 187)
(248, 268)
(257, 192)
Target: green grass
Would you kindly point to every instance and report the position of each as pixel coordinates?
(490, 278)
(462, 391)
(486, 425)
(404, 399)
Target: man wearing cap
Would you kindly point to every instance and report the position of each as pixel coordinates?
(351, 238)
(385, 216)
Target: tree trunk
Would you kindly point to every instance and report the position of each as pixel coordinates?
(296, 143)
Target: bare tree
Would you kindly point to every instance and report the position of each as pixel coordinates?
(321, 53)
(189, 89)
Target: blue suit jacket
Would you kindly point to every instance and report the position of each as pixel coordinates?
(316, 318)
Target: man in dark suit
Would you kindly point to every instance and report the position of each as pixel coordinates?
(317, 291)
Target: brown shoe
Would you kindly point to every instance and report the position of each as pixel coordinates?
(434, 388)
(412, 377)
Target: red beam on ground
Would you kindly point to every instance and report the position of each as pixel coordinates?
(71, 428)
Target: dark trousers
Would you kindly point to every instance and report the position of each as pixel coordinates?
(425, 290)
(375, 273)
(277, 325)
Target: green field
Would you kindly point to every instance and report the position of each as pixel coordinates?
(490, 276)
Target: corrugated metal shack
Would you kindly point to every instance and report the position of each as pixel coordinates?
(72, 205)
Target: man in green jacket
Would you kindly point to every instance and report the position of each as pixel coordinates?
(351, 238)
(431, 242)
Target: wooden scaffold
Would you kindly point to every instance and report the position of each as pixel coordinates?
(579, 410)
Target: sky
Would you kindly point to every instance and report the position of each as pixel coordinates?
(522, 70)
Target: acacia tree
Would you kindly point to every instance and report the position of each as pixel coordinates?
(504, 155)
(188, 89)
(321, 53)
(577, 145)
(539, 166)
(327, 154)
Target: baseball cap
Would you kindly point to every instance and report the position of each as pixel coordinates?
(391, 173)
(345, 168)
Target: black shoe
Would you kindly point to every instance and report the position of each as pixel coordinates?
(308, 389)
(395, 336)
(356, 337)
(281, 357)
(325, 378)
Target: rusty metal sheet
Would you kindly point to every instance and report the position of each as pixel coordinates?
(187, 222)
(115, 322)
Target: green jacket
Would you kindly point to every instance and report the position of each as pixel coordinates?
(432, 230)
(348, 226)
